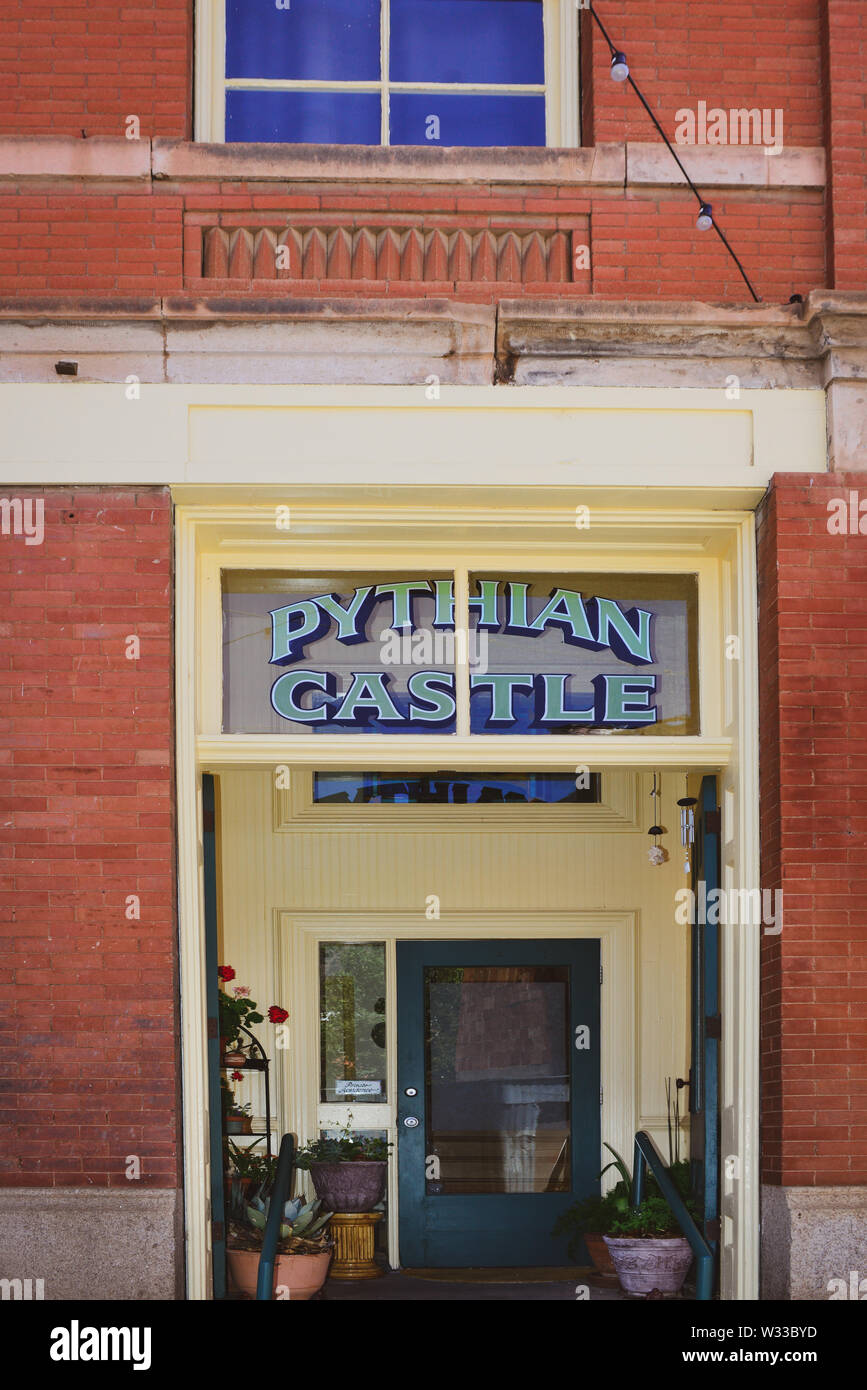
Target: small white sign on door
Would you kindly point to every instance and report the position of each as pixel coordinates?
(358, 1088)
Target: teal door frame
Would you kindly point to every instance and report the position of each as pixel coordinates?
(706, 1020)
(493, 1229)
(215, 1111)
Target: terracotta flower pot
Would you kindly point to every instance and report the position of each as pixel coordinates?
(599, 1252)
(296, 1277)
(647, 1263)
(239, 1124)
(349, 1187)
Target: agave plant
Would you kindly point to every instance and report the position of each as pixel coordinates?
(301, 1218)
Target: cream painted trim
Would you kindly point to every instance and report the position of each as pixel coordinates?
(740, 956)
(203, 529)
(482, 751)
(214, 443)
(562, 115)
(294, 809)
(266, 548)
(298, 936)
(209, 116)
(191, 947)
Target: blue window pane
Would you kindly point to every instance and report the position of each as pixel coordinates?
(467, 41)
(325, 39)
(298, 118)
(466, 120)
(458, 789)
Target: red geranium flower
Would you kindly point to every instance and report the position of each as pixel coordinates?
(276, 1014)
(237, 1076)
(225, 972)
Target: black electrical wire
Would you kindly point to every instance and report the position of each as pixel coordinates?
(719, 231)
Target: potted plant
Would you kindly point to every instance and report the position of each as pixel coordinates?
(238, 1010)
(348, 1170)
(589, 1221)
(303, 1250)
(649, 1252)
(239, 1119)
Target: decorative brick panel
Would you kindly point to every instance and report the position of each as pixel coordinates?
(389, 253)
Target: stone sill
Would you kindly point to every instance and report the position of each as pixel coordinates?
(635, 164)
(848, 309)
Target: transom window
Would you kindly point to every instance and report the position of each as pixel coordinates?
(389, 72)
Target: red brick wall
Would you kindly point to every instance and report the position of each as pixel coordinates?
(846, 137)
(89, 997)
(53, 239)
(764, 53)
(85, 67)
(813, 768)
(644, 245)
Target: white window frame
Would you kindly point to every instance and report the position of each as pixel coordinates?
(562, 115)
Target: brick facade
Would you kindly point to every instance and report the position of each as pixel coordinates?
(160, 230)
(90, 995)
(756, 53)
(813, 680)
(82, 69)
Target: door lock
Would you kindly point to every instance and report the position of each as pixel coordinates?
(411, 1121)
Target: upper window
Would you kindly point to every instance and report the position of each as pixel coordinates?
(388, 72)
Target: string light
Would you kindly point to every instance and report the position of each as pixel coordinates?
(704, 221)
(619, 67)
(620, 73)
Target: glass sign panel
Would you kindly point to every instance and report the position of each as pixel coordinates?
(346, 653)
(379, 653)
(573, 654)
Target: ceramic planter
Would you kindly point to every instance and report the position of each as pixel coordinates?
(599, 1252)
(644, 1264)
(296, 1277)
(239, 1124)
(349, 1187)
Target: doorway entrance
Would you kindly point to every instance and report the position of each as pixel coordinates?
(498, 1104)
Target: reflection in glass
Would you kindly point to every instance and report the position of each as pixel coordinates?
(497, 1064)
(452, 788)
(352, 1022)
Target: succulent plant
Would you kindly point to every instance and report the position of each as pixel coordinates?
(301, 1218)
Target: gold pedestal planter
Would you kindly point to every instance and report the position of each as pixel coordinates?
(353, 1234)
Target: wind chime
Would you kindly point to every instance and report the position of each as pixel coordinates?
(656, 854)
(687, 826)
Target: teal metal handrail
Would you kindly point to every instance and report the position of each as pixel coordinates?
(279, 1198)
(646, 1156)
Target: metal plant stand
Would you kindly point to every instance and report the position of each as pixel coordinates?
(256, 1060)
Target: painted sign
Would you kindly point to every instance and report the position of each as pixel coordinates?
(540, 655)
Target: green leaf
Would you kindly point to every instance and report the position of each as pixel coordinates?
(318, 1224)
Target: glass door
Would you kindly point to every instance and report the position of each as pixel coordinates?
(498, 1097)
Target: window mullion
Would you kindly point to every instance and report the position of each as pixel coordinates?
(462, 658)
(385, 41)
